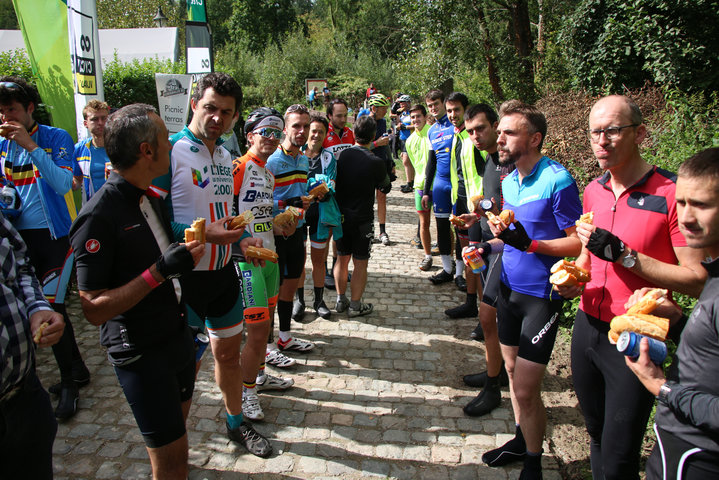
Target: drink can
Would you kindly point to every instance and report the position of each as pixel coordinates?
(473, 258)
(201, 343)
(628, 344)
(108, 169)
(486, 204)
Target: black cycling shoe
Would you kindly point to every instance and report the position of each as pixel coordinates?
(298, 310)
(249, 438)
(512, 451)
(461, 283)
(80, 375)
(67, 405)
(322, 310)
(478, 380)
(487, 400)
(406, 188)
(441, 277)
(463, 311)
(477, 333)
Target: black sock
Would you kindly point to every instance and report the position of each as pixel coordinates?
(301, 295)
(512, 451)
(381, 228)
(284, 312)
(472, 299)
(418, 228)
(410, 183)
(319, 292)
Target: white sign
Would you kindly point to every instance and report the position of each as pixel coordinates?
(198, 60)
(85, 56)
(173, 97)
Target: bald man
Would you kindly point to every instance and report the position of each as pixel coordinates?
(634, 242)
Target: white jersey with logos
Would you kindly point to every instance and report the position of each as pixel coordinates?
(253, 187)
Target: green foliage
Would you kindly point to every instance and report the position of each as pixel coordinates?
(137, 13)
(613, 44)
(261, 22)
(688, 124)
(17, 63)
(8, 19)
(133, 82)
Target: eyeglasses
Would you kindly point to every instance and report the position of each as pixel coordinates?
(12, 86)
(612, 133)
(297, 108)
(269, 133)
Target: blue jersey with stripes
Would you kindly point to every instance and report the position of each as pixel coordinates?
(546, 203)
(440, 138)
(290, 176)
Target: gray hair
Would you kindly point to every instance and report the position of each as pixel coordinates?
(126, 130)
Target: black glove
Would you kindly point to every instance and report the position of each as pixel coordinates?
(605, 245)
(174, 261)
(294, 202)
(486, 250)
(516, 237)
(385, 188)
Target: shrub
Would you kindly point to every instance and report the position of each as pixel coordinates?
(134, 82)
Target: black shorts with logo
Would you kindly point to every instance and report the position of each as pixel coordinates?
(356, 240)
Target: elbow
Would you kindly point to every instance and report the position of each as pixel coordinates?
(92, 312)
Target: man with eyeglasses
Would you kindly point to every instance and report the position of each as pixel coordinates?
(260, 283)
(37, 161)
(634, 242)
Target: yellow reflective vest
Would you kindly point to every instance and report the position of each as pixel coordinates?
(472, 178)
(417, 146)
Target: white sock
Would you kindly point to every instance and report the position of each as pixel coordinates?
(460, 268)
(285, 336)
(427, 256)
(447, 263)
(270, 347)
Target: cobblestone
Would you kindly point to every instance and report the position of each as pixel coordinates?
(380, 396)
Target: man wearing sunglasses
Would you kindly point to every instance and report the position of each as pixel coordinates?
(634, 242)
(37, 160)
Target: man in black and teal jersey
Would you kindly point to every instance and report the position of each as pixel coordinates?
(378, 105)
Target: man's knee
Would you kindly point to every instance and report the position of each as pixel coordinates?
(227, 350)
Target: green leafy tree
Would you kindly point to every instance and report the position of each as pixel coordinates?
(8, 19)
(261, 22)
(137, 13)
(614, 44)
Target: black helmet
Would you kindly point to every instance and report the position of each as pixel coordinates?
(259, 114)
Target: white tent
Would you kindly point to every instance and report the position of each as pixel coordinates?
(128, 43)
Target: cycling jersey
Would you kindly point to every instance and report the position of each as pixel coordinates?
(471, 167)
(199, 184)
(92, 164)
(253, 185)
(417, 147)
(546, 202)
(43, 180)
(335, 142)
(290, 177)
(405, 119)
(440, 139)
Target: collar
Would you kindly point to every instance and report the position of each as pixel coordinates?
(188, 133)
(515, 173)
(255, 158)
(299, 152)
(128, 190)
(34, 129)
(605, 179)
(712, 267)
(459, 130)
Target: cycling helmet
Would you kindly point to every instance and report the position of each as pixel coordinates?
(264, 117)
(378, 100)
(404, 98)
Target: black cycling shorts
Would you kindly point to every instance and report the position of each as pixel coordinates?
(528, 322)
(210, 293)
(474, 233)
(491, 279)
(157, 384)
(356, 240)
(291, 254)
(674, 458)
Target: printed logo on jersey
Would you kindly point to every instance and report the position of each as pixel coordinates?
(194, 149)
(197, 177)
(92, 246)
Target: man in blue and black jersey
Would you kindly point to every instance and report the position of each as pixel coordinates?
(546, 205)
(37, 162)
(437, 180)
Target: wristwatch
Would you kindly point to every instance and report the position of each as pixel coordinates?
(664, 392)
(630, 259)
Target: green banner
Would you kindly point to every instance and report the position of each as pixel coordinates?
(44, 28)
(196, 11)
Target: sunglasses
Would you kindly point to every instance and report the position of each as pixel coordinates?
(297, 108)
(13, 86)
(269, 133)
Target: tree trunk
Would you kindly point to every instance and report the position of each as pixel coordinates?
(523, 44)
(492, 72)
